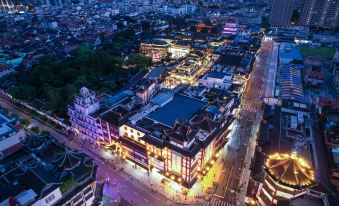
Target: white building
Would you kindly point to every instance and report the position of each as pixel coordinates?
(146, 91)
(219, 78)
(179, 51)
(84, 115)
(11, 134)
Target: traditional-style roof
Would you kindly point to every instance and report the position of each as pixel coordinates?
(290, 170)
(69, 160)
(34, 142)
(181, 132)
(203, 122)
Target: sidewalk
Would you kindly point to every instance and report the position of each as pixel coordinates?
(171, 193)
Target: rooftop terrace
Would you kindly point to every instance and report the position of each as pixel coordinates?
(180, 108)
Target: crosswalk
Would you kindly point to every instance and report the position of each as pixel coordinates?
(249, 108)
(217, 202)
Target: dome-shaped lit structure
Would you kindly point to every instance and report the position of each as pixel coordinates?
(287, 176)
(290, 170)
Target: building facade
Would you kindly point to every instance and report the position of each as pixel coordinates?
(320, 14)
(220, 78)
(174, 135)
(287, 176)
(11, 134)
(156, 49)
(281, 12)
(83, 115)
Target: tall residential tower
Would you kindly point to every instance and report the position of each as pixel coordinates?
(320, 13)
(281, 12)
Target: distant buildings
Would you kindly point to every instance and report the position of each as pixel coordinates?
(10, 57)
(281, 12)
(320, 14)
(313, 13)
(45, 172)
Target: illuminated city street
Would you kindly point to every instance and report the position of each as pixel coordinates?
(169, 103)
(232, 185)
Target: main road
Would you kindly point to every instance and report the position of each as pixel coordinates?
(232, 185)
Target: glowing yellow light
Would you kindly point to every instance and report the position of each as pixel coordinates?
(212, 162)
(217, 155)
(204, 172)
(199, 176)
(208, 168)
(156, 156)
(167, 173)
(179, 179)
(148, 152)
(172, 177)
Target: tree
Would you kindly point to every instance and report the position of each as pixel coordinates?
(139, 61)
(23, 92)
(265, 24)
(35, 130)
(25, 122)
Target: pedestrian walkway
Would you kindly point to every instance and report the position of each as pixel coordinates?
(217, 202)
(272, 71)
(249, 108)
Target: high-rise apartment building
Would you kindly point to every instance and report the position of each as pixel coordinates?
(320, 13)
(281, 12)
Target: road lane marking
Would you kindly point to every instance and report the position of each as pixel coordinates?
(146, 200)
(135, 192)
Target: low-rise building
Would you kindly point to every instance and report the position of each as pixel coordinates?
(219, 77)
(155, 49)
(146, 91)
(45, 172)
(179, 50)
(314, 78)
(11, 134)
